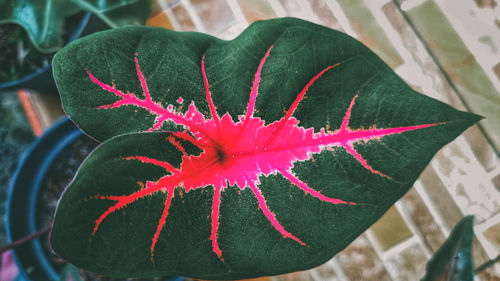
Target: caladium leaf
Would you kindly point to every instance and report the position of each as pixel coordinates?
(286, 143)
(453, 261)
(43, 19)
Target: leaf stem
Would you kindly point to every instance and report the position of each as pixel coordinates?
(486, 264)
(25, 239)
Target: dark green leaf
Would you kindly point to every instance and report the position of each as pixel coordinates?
(43, 19)
(453, 261)
(318, 139)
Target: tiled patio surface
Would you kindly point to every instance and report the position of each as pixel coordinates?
(446, 49)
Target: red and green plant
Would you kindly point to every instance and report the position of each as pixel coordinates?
(257, 156)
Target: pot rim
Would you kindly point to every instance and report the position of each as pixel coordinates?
(34, 164)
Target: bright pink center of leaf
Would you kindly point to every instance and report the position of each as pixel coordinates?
(237, 153)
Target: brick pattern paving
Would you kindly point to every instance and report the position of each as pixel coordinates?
(447, 49)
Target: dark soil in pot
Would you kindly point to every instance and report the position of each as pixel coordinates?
(19, 58)
(57, 178)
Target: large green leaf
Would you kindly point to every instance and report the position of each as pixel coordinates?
(43, 19)
(287, 143)
(453, 261)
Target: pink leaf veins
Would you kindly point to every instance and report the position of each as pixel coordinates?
(236, 153)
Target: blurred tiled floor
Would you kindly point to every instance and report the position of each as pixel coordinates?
(446, 49)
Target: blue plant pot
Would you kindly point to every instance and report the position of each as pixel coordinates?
(22, 201)
(22, 198)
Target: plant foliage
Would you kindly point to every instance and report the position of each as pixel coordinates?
(453, 261)
(43, 19)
